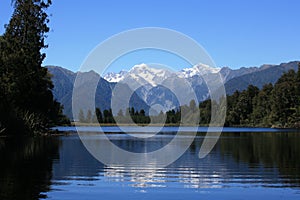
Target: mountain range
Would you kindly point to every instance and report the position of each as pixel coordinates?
(152, 86)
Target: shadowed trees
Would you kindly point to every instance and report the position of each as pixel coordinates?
(27, 104)
(277, 105)
(26, 167)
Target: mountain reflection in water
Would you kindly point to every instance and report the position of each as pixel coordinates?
(256, 164)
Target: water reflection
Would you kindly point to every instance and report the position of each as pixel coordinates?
(277, 156)
(26, 167)
(238, 160)
(140, 178)
(61, 168)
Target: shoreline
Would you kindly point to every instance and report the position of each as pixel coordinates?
(166, 129)
(58, 130)
(81, 124)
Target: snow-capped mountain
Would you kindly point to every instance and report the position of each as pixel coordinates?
(143, 73)
(115, 77)
(199, 69)
(159, 84)
(145, 79)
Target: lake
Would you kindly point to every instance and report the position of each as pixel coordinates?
(244, 164)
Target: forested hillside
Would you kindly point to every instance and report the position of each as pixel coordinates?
(275, 105)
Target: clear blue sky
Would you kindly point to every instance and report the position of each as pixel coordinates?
(235, 33)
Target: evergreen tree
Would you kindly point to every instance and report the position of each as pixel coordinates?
(262, 107)
(120, 113)
(284, 100)
(111, 117)
(244, 106)
(106, 116)
(205, 112)
(25, 84)
(193, 107)
(297, 117)
(232, 117)
(81, 117)
(89, 116)
(142, 113)
(25, 36)
(99, 115)
(298, 74)
(132, 112)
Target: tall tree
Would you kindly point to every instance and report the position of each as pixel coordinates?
(297, 124)
(262, 107)
(89, 116)
(81, 117)
(25, 35)
(99, 115)
(284, 100)
(120, 113)
(25, 83)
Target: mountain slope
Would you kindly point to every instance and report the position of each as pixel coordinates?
(63, 81)
(153, 86)
(197, 70)
(266, 74)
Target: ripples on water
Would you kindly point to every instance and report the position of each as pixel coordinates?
(241, 166)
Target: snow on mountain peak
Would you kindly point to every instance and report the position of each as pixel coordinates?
(154, 76)
(145, 69)
(115, 77)
(199, 69)
(143, 73)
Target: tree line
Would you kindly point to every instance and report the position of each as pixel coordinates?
(132, 115)
(275, 105)
(107, 117)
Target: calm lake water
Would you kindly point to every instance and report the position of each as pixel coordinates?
(244, 164)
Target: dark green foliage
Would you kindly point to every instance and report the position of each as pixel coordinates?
(171, 117)
(27, 104)
(108, 116)
(297, 117)
(139, 116)
(262, 107)
(272, 106)
(27, 166)
(232, 111)
(99, 115)
(244, 105)
(285, 100)
(205, 113)
(267, 74)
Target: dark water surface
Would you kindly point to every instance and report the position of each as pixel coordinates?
(258, 165)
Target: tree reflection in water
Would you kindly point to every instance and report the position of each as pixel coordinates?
(26, 167)
(30, 166)
(271, 150)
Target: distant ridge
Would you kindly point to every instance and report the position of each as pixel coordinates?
(265, 74)
(152, 92)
